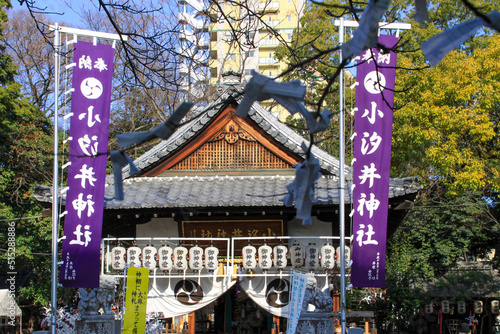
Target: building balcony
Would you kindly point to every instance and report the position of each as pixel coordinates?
(269, 6)
(268, 61)
(192, 21)
(199, 6)
(183, 69)
(269, 42)
(197, 75)
(199, 40)
(184, 85)
(272, 24)
(196, 55)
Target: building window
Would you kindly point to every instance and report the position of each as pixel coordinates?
(289, 36)
(231, 56)
(251, 53)
(270, 73)
(247, 72)
(250, 37)
(289, 18)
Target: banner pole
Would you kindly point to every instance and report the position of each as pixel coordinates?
(343, 318)
(55, 190)
(341, 24)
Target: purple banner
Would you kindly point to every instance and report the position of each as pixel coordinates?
(89, 129)
(376, 75)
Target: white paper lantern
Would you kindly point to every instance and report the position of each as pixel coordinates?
(495, 307)
(327, 256)
(149, 257)
(478, 306)
(248, 255)
(211, 258)
(429, 308)
(461, 307)
(312, 257)
(117, 258)
(280, 256)
(445, 306)
(134, 256)
(347, 256)
(297, 255)
(165, 261)
(180, 258)
(265, 257)
(196, 258)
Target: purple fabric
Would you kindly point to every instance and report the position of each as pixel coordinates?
(89, 128)
(372, 154)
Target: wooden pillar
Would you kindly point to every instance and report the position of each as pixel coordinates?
(277, 321)
(191, 323)
(336, 308)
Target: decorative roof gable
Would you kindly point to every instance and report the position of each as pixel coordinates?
(227, 143)
(276, 139)
(232, 148)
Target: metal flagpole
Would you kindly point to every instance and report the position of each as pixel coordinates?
(342, 24)
(55, 190)
(343, 306)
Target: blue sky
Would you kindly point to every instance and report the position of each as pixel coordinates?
(69, 17)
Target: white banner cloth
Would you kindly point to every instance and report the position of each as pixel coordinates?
(298, 291)
(175, 296)
(273, 292)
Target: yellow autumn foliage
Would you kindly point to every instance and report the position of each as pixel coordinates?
(447, 131)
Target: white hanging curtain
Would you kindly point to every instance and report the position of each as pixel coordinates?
(175, 296)
(270, 292)
(273, 293)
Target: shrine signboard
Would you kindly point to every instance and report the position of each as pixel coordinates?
(230, 229)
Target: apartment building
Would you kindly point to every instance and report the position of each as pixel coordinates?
(235, 36)
(260, 27)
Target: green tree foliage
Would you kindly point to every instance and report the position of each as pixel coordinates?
(455, 108)
(25, 142)
(445, 131)
(402, 295)
(442, 234)
(25, 159)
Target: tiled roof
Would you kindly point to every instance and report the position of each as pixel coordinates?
(227, 190)
(224, 191)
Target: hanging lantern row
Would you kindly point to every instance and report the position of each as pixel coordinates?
(310, 257)
(477, 307)
(165, 258)
(196, 258)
